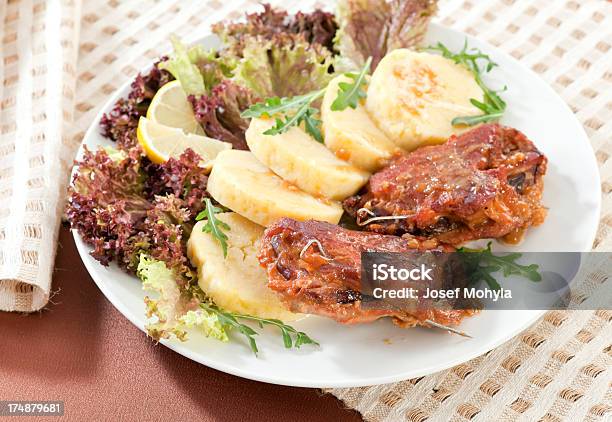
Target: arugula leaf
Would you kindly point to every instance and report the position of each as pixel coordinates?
(283, 126)
(313, 125)
(350, 93)
(213, 225)
(275, 105)
(475, 120)
(230, 320)
(304, 114)
(493, 107)
(295, 110)
(482, 263)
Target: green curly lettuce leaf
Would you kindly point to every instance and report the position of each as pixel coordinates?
(206, 321)
(371, 28)
(284, 66)
(197, 69)
(116, 155)
(175, 308)
(180, 65)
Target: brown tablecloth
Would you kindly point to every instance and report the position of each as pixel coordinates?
(80, 349)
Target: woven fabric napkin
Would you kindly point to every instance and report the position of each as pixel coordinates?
(37, 69)
(557, 370)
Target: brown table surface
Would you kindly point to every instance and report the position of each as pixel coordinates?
(83, 351)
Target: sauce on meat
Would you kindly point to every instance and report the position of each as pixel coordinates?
(486, 183)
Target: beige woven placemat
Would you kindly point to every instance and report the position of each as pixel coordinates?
(558, 370)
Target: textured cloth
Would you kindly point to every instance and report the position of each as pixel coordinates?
(37, 69)
(559, 369)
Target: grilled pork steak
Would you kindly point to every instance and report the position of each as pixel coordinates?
(486, 183)
(315, 268)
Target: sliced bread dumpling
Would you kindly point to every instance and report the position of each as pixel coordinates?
(241, 183)
(236, 282)
(414, 96)
(352, 135)
(299, 159)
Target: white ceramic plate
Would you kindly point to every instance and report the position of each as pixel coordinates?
(380, 352)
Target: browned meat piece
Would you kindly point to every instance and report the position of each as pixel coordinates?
(486, 183)
(315, 268)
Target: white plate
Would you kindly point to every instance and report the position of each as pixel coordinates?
(380, 352)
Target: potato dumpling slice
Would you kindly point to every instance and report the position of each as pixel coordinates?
(237, 282)
(300, 160)
(244, 185)
(413, 97)
(352, 135)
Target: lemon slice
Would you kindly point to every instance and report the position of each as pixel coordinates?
(171, 107)
(160, 142)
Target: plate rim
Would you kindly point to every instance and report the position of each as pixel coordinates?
(236, 370)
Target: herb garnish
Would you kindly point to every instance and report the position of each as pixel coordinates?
(295, 109)
(229, 320)
(493, 106)
(299, 109)
(481, 263)
(351, 92)
(213, 225)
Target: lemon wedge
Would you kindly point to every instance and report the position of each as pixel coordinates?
(171, 107)
(160, 142)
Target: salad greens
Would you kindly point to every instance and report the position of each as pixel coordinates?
(119, 125)
(124, 206)
(229, 320)
(371, 28)
(349, 94)
(275, 105)
(493, 106)
(317, 27)
(295, 111)
(175, 311)
(482, 263)
(182, 66)
(213, 225)
(206, 78)
(219, 112)
(196, 69)
(283, 67)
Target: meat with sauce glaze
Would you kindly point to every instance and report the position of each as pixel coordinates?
(485, 183)
(315, 268)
